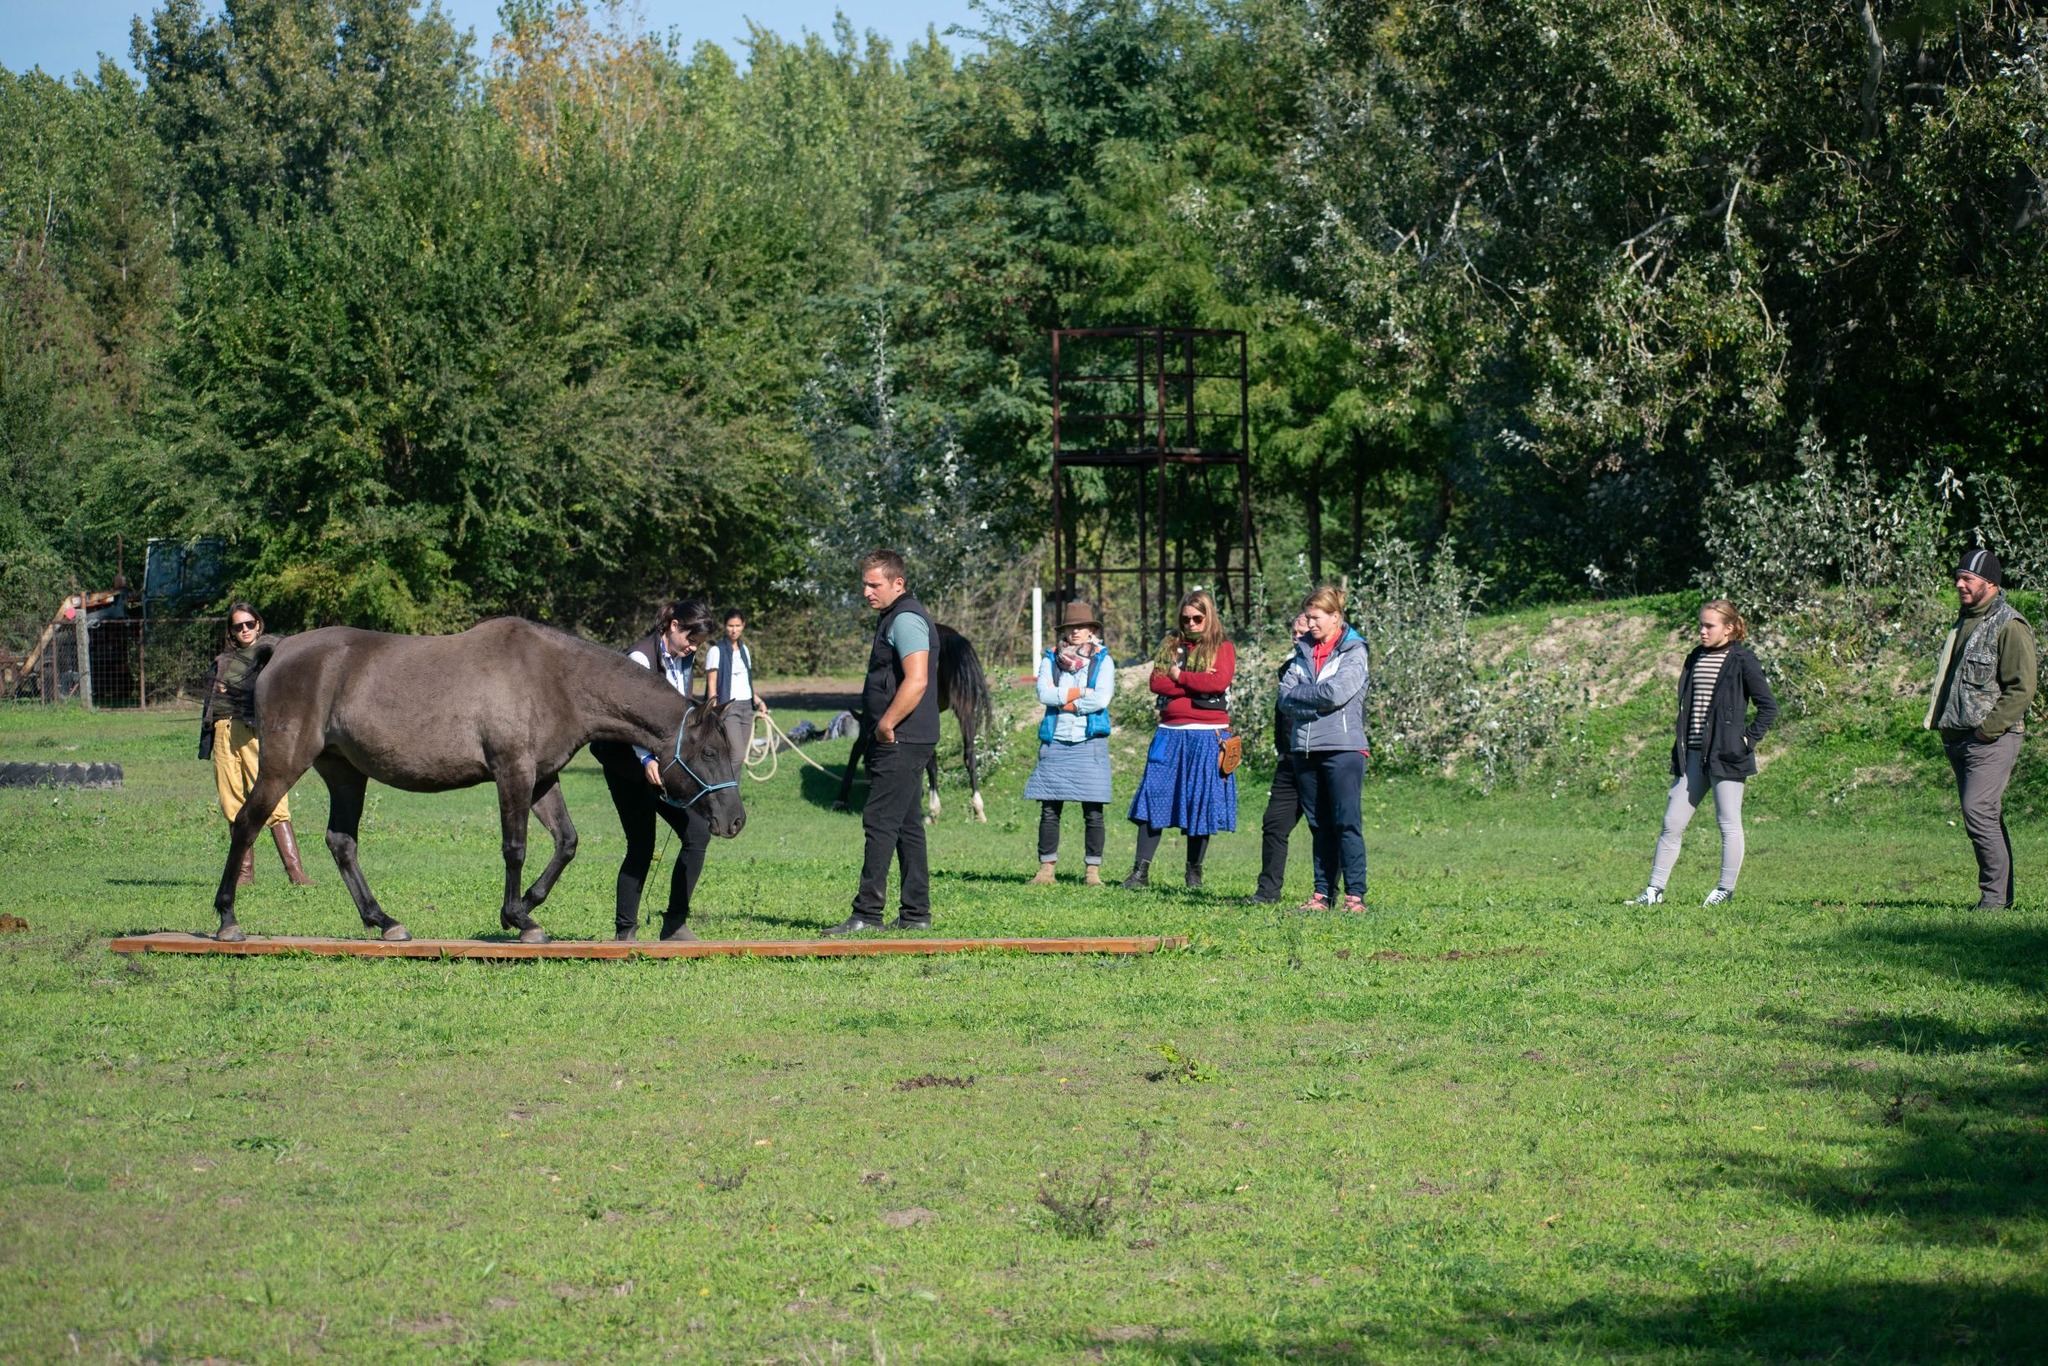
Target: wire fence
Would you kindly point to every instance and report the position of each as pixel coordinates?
(128, 661)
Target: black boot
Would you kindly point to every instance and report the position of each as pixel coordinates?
(1198, 849)
(1148, 845)
(675, 929)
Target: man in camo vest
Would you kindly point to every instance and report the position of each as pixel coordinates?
(1982, 688)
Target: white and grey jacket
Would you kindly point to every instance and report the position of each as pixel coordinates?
(1328, 708)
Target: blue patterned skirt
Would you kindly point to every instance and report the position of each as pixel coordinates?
(1182, 788)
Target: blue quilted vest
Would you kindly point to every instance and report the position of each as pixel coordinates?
(1098, 721)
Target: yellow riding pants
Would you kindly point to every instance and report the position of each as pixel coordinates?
(234, 770)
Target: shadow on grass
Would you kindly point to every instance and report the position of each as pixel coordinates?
(822, 790)
(162, 881)
(1952, 1123)
(1859, 1320)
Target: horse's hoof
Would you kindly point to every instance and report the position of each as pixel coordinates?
(396, 933)
(536, 935)
(230, 934)
(839, 806)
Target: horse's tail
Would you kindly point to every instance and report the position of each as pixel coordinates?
(965, 680)
(261, 651)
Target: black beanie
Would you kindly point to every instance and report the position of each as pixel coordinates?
(1984, 565)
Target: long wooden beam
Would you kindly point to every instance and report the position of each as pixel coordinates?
(173, 942)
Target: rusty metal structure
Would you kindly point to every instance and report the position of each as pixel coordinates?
(1164, 414)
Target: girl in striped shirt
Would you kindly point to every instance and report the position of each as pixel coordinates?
(1715, 745)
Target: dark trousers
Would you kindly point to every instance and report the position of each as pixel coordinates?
(1094, 835)
(1332, 787)
(1283, 813)
(894, 827)
(638, 805)
(1982, 771)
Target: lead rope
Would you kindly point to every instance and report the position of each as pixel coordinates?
(763, 742)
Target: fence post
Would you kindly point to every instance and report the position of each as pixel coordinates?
(84, 654)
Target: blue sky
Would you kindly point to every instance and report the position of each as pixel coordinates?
(67, 35)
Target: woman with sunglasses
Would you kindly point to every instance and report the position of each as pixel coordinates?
(227, 735)
(633, 776)
(1184, 785)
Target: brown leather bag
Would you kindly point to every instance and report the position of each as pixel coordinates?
(1230, 755)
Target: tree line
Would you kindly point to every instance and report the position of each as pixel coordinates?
(429, 332)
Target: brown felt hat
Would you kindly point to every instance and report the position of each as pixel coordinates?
(1078, 613)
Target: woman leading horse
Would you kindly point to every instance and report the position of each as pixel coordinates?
(633, 775)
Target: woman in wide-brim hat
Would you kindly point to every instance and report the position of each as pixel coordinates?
(1076, 679)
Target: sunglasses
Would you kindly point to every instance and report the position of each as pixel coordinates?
(243, 625)
(1196, 620)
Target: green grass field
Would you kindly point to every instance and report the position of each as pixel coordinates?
(1502, 1115)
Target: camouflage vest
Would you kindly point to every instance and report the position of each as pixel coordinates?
(1976, 687)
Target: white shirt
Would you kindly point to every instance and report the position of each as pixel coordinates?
(676, 668)
(728, 655)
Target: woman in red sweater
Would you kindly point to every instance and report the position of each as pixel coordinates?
(1184, 786)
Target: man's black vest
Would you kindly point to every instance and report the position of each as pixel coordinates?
(885, 675)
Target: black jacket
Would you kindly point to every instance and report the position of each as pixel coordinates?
(1729, 745)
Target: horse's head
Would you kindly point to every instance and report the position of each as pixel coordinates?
(701, 771)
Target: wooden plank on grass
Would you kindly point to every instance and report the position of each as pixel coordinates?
(172, 942)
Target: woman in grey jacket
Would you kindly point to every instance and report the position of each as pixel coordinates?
(1323, 694)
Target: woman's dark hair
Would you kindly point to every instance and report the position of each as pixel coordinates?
(692, 614)
(729, 613)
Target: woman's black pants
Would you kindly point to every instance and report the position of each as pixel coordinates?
(1283, 813)
(1093, 833)
(639, 807)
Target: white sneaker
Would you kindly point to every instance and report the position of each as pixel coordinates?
(1651, 896)
(1720, 896)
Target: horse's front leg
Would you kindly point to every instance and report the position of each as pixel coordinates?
(931, 779)
(346, 786)
(515, 801)
(553, 812)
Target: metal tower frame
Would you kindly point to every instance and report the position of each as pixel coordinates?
(1159, 432)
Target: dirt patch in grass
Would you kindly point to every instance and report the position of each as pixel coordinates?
(1452, 955)
(931, 1079)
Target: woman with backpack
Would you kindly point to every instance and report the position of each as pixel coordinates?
(1076, 679)
(1714, 748)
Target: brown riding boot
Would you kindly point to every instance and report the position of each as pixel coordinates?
(288, 850)
(245, 876)
(1045, 876)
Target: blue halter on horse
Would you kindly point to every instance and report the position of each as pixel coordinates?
(704, 789)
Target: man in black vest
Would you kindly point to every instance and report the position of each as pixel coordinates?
(903, 709)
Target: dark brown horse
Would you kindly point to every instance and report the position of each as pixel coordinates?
(963, 690)
(506, 702)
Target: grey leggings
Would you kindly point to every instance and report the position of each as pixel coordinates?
(1687, 793)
